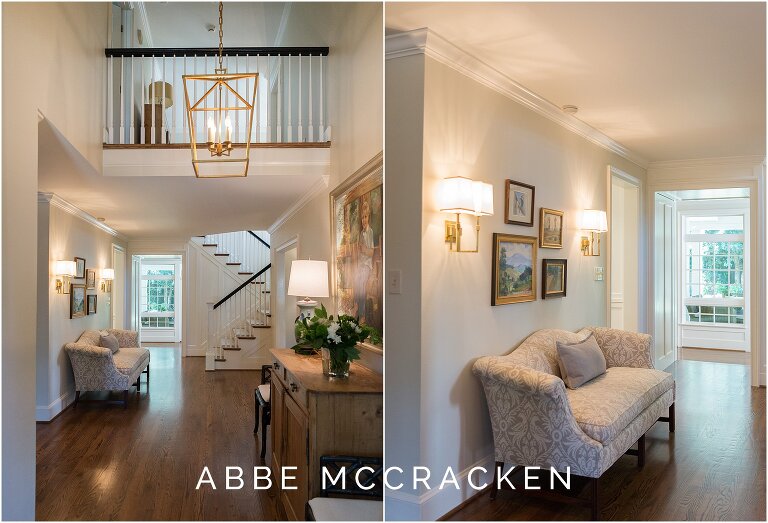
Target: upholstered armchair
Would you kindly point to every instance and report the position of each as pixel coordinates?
(98, 368)
(538, 421)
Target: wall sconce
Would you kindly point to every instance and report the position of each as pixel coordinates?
(464, 196)
(107, 275)
(64, 270)
(594, 222)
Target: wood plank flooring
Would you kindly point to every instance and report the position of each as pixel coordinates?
(711, 468)
(101, 462)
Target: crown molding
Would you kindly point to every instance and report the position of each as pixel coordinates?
(429, 43)
(699, 163)
(64, 205)
(315, 189)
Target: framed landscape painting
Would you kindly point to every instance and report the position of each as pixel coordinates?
(519, 200)
(77, 300)
(551, 228)
(514, 269)
(357, 235)
(554, 282)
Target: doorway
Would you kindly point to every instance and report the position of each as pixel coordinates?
(157, 287)
(118, 287)
(285, 305)
(624, 271)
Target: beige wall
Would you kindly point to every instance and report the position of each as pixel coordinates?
(355, 111)
(474, 131)
(51, 41)
(62, 236)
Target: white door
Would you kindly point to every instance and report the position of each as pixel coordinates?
(663, 281)
(624, 272)
(118, 288)
(159, 293)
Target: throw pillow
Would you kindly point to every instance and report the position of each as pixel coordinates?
(580, 362)
(110, 341)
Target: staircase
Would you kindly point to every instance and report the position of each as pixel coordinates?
(239, 323)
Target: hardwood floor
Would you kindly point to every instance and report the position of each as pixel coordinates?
(711, 468)
(101, 462)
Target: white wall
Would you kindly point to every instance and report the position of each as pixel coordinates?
(477, 132)
(624, 271)
(62, 236)
(355, 112)
(67, 88)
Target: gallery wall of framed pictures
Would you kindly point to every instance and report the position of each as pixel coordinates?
(514, 270)
(81, 303)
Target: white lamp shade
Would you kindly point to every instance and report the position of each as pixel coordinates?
(457, 194)
(64, 268)
(483, 196)
(308, 278)
(594, 220)
(107, 274)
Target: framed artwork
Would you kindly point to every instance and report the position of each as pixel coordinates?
(357, 237)
(551, 228)
(519, 200)
(555, 280)
(514, 269)
(80, 268)
(90, 307)
(90, 279)
(76, 300)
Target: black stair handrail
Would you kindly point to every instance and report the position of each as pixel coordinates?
(214, 51)
(259, 238)
(242, 286)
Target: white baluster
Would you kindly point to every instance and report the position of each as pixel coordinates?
(301, 116)
(290, 100)
(173, 112)
(322, 102)
(130, 118)
(151, 95)
(310, 89)
(122, 99)
(142, 130)
(110, 99)
(279, 137)
(269, 98)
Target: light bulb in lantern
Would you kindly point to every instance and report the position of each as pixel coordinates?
(228, 124)
(211, 130)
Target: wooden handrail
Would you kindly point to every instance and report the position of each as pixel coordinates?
(259, 238)
(242, 286)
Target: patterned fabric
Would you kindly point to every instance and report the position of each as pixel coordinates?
(531, 416)
(624, 348)
(125, 338)
(95, 367)
(605, 406)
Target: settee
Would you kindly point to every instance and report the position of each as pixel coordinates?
(97, 368)
(538, 421)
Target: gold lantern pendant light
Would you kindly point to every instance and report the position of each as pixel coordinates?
(213, 112)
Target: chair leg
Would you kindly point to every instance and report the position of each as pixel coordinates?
(641, 451)
(264, 414)
(77, 398)
(256, 413)
(672, 418)
(138, 384)
(595, 499)
(125, 399)
(495, 485)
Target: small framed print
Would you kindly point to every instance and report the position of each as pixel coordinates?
(513, 275)
(551, 228)
(555, 278)
(79, 268)
(76, 300)
(90, 304)
(519, 201)
(90, 279)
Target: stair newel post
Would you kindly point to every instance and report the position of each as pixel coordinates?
(210, 355)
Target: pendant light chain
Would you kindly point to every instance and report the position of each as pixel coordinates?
(221, 35)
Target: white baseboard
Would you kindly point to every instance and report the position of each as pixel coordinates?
(716, 356)
(55, 408)
(194, 350)
(436, 503)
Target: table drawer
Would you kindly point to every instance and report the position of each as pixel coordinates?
(295, 389)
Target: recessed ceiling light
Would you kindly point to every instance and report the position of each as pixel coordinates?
(570, 109)
(101, 219)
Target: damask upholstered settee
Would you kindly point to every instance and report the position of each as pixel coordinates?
(98, 368)
(538, 421)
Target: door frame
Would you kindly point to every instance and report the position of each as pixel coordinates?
(122, 278)
(179, 279)
(757, 238)
(642, 324)
(277, 295)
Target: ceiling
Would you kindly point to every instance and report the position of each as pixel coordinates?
(165, 206)
(670, 81)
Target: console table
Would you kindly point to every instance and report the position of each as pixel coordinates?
(313, 416)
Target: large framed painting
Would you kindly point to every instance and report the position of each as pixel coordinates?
(357, 235)
(77, 300)
(519, 199)
(551, 228)
(514, 269)
(555, 279)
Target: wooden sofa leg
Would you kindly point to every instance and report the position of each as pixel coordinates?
(77, 398)
(641, 451)
(495, 485)
(672, 418)
(595, 499)
(125, 399)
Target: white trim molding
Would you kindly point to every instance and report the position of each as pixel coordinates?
(147, 33)
(64, 205)
(427, 42)
(315, 189)
(43, 413)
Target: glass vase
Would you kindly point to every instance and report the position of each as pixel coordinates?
(335, 366)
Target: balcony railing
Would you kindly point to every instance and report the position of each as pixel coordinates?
(141, 109)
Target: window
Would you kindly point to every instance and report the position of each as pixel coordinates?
(714, 269)
(157, 296)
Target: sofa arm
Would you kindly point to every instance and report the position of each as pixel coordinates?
(125, 338)
(624, 348)
(532, 420)
(94, 368)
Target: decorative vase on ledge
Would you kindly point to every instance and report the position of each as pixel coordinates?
(336, 364)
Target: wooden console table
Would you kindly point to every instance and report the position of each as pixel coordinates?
(313, 416)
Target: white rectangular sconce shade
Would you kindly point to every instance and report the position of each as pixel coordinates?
(465, 196)
(64, 268)
(309, 278)
(107, 274)
(594, 220)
